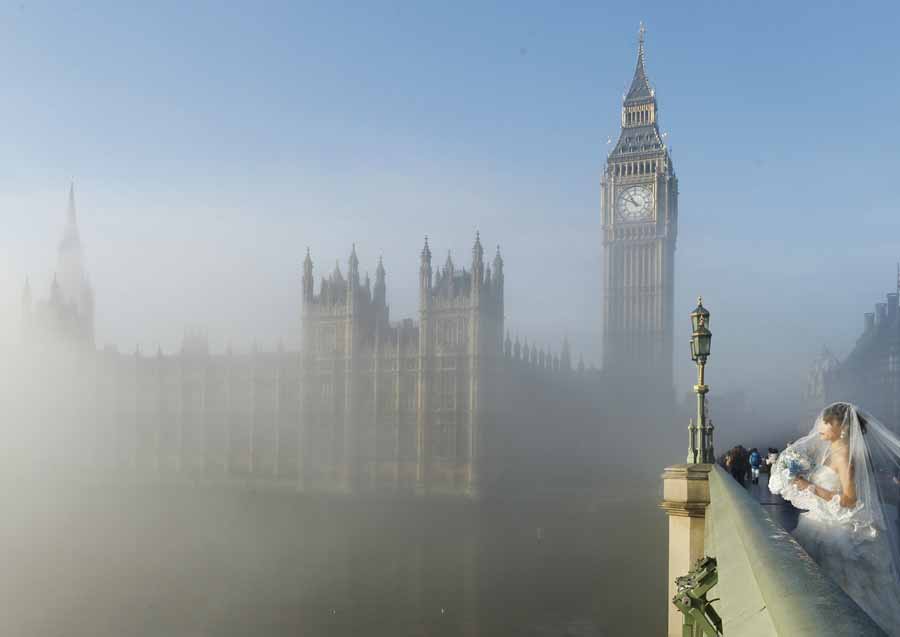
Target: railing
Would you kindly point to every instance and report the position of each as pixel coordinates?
(767, 584)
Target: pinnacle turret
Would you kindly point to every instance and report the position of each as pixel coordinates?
(379, 291)
(353, 267)
(565, 357)
(307, 278)
(425, 277)
(55, 292)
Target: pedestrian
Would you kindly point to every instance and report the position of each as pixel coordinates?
(772, 457)
(755, 462)
(739, 465)
(728, 462)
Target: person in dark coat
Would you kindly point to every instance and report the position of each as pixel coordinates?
(740, 465)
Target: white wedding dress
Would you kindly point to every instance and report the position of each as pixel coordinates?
(848, 547)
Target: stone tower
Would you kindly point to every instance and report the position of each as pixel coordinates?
(67, 315)
(639, 208)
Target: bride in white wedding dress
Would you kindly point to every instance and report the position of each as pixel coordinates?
(845, 527)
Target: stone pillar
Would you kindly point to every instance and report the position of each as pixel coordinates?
(685, 498)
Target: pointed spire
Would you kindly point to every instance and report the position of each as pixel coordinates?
(425, 284)
(378, 291)
(640, 86)
(308, 292)
(477, 268)
(498, 264)
(448, 264)
(71, 216)
(336, 275)
(641, 31)
(70, 244)
(70, 241)
(353, 268)
(55, 291)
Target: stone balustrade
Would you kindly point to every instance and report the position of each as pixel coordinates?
(767, 584)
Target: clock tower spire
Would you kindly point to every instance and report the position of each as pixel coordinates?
(639, 213)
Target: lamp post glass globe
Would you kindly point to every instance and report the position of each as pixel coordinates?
(701, 342)
(700, 315)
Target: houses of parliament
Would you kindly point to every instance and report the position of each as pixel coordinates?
(447, 402)
(437, 405)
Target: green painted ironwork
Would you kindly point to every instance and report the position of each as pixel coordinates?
(700, 618)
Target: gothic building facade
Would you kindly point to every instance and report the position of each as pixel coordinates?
(639, 211)
(870, 374)
(447, 403)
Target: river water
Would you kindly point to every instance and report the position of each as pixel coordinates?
(148, 561)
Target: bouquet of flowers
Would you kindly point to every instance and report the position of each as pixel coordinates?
(791, 463)
(796, 464)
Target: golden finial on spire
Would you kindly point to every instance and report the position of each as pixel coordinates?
(641, 32)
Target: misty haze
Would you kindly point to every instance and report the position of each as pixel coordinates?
(375, 321)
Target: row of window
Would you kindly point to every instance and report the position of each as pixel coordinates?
(647, 167)
(642, 116)
(443, 392)
(451, 332)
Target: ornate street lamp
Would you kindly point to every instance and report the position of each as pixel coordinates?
(700, 450)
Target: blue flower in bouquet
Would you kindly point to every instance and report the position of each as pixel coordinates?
(796, 463)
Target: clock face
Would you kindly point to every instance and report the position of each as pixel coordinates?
(635, 203)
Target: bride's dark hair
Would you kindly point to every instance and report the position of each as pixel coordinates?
(837, 413)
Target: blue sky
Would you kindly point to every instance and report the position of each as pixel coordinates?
(211, 145)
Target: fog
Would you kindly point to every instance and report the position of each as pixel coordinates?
(210, 149)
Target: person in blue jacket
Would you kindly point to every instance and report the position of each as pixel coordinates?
(755, 463)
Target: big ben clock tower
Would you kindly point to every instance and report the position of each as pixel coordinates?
(639, 208)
